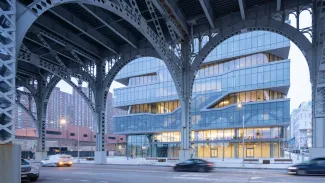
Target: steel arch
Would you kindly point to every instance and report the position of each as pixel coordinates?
(28, 112)
(27, 16)
(266, 24)
(124, 60)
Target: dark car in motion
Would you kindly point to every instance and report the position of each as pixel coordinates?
(313, 167)
(198, 165)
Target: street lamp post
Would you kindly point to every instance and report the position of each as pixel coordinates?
(78, 144)
(239, 105)
(62, 121)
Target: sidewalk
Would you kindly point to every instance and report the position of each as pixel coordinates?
(218, 163)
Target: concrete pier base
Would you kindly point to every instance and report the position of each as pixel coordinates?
(316, 153)
(10, 163)
(100, 157)
(39, 156)
(184, 154)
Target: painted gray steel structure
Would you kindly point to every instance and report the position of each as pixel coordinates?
(65, 39)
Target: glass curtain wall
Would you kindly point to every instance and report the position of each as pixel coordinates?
(223, 143)
(240, 62)
(155, 108)
(249, 96)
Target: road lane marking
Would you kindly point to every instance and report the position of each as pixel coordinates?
(194, 175)
(84, 180)
(254, 178)
(66, 179)
(195, 178)
(49, 178)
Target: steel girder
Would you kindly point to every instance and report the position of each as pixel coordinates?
(208, 12)
(84, 28)
(111, 24)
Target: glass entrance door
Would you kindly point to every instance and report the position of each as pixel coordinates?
(250, 152)
(162, 150)
(214, 153)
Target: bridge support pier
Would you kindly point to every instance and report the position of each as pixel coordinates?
(100, 153)
(10, 163)
(318, 149)
(185, 94)
(39, 156)
(100, 157)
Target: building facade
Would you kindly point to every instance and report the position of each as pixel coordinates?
(70, 107)
(301, 126)
(251, 69)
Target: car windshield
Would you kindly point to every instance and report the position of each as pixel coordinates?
(23, 162)
(65, 157)
(187, 162)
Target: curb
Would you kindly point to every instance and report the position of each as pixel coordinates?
(237, 168)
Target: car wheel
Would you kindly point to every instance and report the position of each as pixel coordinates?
(301, 172)
(34, 178)
(201, 169)
(176, 169)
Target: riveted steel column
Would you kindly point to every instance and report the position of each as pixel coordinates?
(41, 105)
(317, 76)
(100, 110)
(9, 153)
(185, 101)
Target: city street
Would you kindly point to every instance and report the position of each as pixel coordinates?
(153, 174)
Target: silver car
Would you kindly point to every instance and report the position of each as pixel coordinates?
(28, 171)
(57, 160)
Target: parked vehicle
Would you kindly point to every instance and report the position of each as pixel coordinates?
(57, 160)
(315, 166)
(28, 171)
(198, 165)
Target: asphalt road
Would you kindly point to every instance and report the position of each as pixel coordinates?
(152, 174)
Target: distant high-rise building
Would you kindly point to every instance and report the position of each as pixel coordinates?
(70, 107)
(66, 108)
(53, 109)
(82, 114)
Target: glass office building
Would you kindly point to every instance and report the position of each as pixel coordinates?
(251, 68)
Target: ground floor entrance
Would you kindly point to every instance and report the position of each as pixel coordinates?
(142, 146)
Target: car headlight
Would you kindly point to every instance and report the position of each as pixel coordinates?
(34, 169)
(292, 168)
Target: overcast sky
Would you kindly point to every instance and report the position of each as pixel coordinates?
(300, 89)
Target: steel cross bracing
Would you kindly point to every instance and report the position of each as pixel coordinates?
(7, 71)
